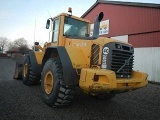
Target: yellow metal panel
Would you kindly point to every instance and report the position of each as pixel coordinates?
(39, 56)
(83, 45)
(62, 39)
(77, 58)
(136, 77)
(107, 81)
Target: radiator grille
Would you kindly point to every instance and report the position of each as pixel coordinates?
(122, 63)
(95, 54)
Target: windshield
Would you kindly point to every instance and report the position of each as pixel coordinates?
(76, 28)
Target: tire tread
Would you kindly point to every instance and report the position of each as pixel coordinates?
(65, 93)
(32, 78)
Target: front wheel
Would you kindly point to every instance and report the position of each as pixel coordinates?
(54, 91)
(29, 77)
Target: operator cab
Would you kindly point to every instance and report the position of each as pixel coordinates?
(68, 26)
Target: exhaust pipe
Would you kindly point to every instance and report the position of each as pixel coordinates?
(97, 21)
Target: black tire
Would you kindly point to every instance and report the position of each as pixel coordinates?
(29, 77)
(57, 93)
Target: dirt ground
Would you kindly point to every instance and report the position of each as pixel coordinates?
(20, 102)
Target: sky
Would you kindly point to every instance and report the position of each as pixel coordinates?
(27, 18)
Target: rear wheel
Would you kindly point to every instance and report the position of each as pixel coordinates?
(29, 77)
(54, 91)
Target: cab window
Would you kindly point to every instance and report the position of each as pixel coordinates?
(55, 30)
(75, 28)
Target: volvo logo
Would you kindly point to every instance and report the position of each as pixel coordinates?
(126, 63)
(105, 50)
(104, 57)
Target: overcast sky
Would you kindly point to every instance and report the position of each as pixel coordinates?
(18, 17)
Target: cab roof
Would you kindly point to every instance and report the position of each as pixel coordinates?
(72, 16)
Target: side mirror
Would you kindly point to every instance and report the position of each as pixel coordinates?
(48, 24)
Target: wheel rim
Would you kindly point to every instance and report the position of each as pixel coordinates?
(48, 82)
(25, 70)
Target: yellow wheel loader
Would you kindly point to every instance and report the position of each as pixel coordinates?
(97, 65)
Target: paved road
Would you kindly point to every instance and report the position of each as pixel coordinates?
(20, 102)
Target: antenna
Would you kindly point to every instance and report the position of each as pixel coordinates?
(49, 15)
(34, 33)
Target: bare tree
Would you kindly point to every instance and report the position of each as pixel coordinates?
(11, 45)
(23, 49)
(3, 43)
(20, 42)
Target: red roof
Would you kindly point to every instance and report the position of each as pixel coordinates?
(137, 4)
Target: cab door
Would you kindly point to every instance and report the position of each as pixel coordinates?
(55, 32)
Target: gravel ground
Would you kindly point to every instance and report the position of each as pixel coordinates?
(20, 102)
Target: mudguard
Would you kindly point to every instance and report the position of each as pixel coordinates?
(36, 68)
(69, 73)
